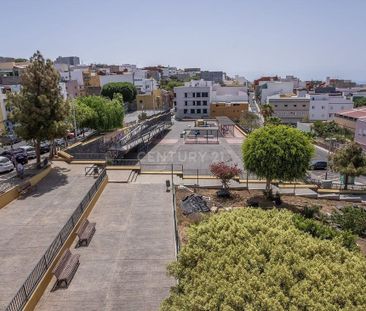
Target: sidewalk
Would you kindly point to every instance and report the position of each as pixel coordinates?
(124, 266)
(29, 225)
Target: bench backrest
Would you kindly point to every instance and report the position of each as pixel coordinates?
(61, 263)
(84, 223)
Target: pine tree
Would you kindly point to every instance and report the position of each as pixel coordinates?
(39, 111)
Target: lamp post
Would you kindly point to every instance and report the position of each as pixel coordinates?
(331, 141)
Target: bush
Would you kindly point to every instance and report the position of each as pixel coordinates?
(325, 232)
(310, 211)
(250, 259)
(352, 219)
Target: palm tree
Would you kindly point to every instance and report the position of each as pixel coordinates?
(267, 111)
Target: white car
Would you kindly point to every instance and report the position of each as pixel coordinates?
(31, 152)
(5, 165)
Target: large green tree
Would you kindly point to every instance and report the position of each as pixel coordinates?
(250, 259)
(39, 110)
(126, 89)
(99, 113)
(349, 161)
(277, 152)
(359, 101)
(266, 110)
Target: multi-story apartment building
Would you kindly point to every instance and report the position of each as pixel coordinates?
(290, 109)
(193, 99)
(214, 76)
(68, 60)
(269, 88)
(324, 106)
(348, 119)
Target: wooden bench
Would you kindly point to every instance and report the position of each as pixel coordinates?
(85, 232)
(66, 267)
(25, 187)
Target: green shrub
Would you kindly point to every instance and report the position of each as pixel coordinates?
(352, 219)
(310, 211)
(325, 232)
(250, 259)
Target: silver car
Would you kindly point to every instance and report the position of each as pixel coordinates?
(5, 165)
(31, 152)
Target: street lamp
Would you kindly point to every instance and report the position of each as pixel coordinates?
(331, 141)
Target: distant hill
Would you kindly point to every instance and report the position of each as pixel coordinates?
(12, 59)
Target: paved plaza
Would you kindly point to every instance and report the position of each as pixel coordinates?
(124, 266)
(28, 226)
(172, 149)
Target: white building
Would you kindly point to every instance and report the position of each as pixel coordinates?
(193, 99)
(269, 88)
(324, 106)
(229, 94)
(298, 84)
(168, 72)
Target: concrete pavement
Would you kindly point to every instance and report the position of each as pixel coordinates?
(124, 266)
(28, 226)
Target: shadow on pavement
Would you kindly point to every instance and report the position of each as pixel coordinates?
(55, 179)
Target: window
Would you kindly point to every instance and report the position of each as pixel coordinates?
(185, 103)
(198, 102)
(312, 107)
(204, 110)
(198, 95)
(185, 95)
(275, 106)
(204, 94)
(192, 111)
(323, 107)
(140, 101)
(198, 110)
(305, 106)
(295, 105)
(204, 103)
(185, 111)
(286, 105)
(194, 94)
(194, 103)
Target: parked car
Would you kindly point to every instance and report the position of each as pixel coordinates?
(18, 154)
(318, 165)
(31, 152)
(5, 165)
(9, 139)
(45, 147)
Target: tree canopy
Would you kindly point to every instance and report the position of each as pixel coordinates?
(330, 130)
(126, 89)
(359, 101)
(99, 113)
(277, 152)
(250, 259)
(169, 85)
(39, 110)
(349, 161)
(249, 121)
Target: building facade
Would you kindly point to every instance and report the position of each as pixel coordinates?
(68, 60)
(324, 106)
(193, 99)
(214, 76)
(232, 110)
(290, 109)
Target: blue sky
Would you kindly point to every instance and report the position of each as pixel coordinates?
(308, 38)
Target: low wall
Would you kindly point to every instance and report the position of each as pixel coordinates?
(13, 193)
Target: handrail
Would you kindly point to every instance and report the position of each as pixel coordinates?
(30, 284)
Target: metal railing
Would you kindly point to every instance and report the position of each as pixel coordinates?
(26, 290)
